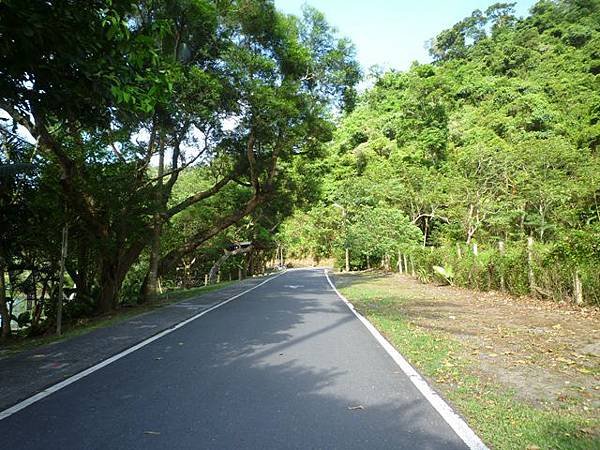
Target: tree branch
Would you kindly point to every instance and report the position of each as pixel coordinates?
(199, 196)
(252, 162)
(171, 258)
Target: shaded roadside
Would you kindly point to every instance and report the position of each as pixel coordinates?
(30, 371)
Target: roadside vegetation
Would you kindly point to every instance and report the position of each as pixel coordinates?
(477, 350)
(160, 145)
(480, 169)
(142, 143)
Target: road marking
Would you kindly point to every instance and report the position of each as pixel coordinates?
(58, 386)
(459, 426)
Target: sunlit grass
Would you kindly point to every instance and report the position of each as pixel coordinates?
(495, 413)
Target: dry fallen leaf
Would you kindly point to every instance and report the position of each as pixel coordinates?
(354, 408)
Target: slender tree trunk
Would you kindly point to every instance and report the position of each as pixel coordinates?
(412, 266)
(3, 308)
(347, 259)
(399, 262)
(83, 270)
(150, 292)
(530, 273)
(577, 289)
(405, 263)
(502, 280)
(61, 279)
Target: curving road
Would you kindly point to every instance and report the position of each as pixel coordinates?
(286, 365)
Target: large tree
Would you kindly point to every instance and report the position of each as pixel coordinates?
(122, 97)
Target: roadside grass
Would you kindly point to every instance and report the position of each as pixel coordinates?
(83, 326)
(501, 419)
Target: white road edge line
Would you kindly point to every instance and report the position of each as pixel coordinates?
(78, 376)
(459, 426)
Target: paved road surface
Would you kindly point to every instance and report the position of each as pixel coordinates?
(279, 367)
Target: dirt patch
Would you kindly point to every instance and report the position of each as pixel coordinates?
(548, 353)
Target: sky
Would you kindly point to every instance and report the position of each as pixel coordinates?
(392, 33)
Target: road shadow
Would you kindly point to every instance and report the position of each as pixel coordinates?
(277, 369)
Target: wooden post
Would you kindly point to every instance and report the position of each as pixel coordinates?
(530, 274)
(400, 262)
(501, 249)
(240, 276)
(61, 278)
(219, 277)
(347, 259)
(577, 288)
(205, 279)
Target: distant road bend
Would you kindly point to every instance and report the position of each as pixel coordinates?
(286, 365)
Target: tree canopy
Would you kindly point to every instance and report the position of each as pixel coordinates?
(154, 126)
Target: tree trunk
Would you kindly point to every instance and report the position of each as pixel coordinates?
(577, 289)
(530, 274)
(109, 288)
(150, 291)
(347, 259)
(61, 279)
(502, 280)
(399, 262)
(113, 270)
(150, 288)
(3, 308)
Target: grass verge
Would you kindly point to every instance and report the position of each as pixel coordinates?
(501, 419)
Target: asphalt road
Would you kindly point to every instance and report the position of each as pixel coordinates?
(286, 365)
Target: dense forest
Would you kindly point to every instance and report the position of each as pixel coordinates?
(480, 169)
(141, 142)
